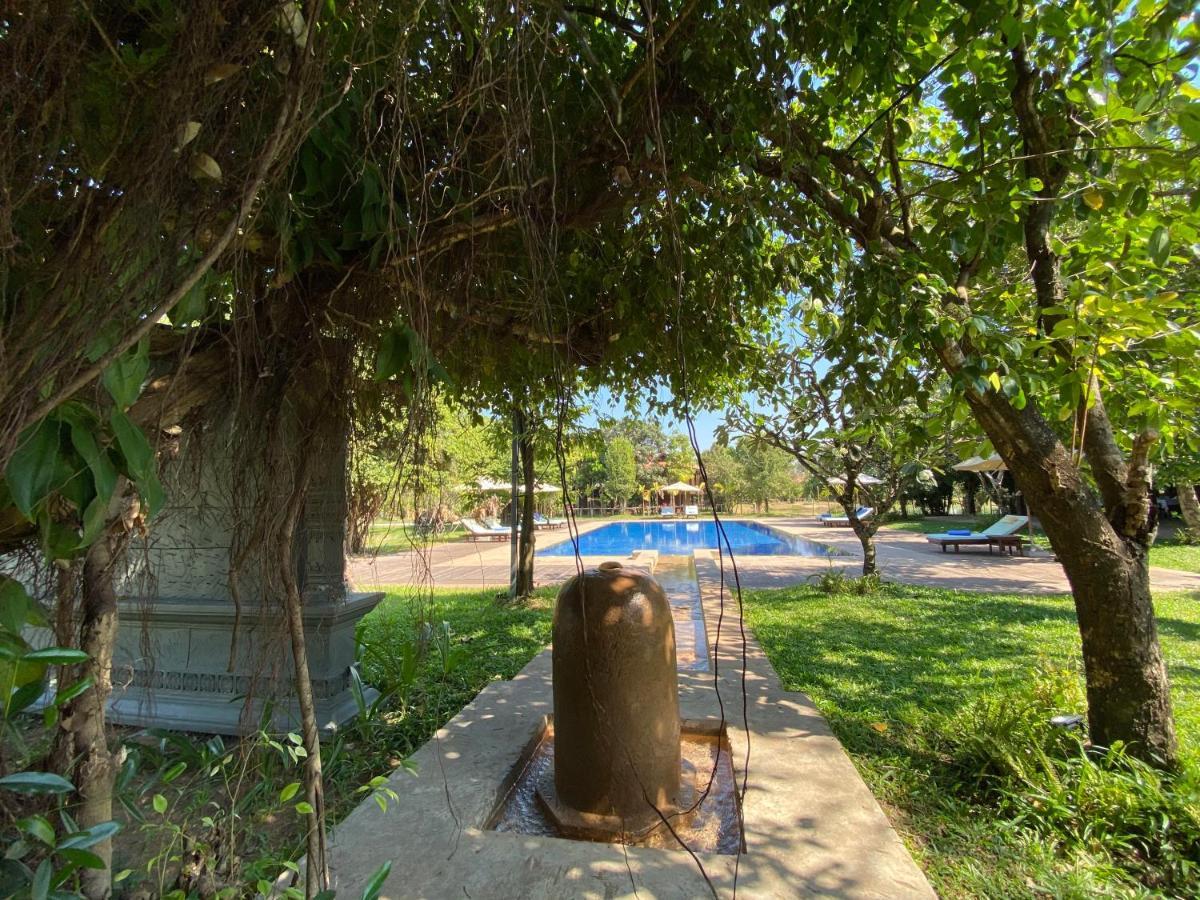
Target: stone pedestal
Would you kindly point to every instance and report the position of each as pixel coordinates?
(177, 663)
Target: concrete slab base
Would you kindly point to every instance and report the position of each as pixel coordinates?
(811, 825)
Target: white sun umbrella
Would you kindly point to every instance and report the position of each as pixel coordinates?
(486, 485)
(978, 464)
(989, 469)
(863, 479)
(680, 488)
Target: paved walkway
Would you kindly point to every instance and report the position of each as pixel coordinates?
(902, 556)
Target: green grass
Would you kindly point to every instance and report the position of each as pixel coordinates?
(497, 640)
(1170, 554)
(396, 537)
(940, 524)
(898, 672)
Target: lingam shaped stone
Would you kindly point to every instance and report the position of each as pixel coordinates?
(616, 707)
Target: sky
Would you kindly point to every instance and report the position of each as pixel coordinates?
(604, 405)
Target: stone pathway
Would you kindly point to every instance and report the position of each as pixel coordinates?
(902, 556)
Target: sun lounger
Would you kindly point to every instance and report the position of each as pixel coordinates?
(477, 532)
(691, 512)
(831, 521)
(1006, 527)
(540, 521)
(666, 512)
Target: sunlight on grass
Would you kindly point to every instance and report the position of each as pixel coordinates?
(889, 669)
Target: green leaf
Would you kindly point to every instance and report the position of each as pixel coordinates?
(194, 304)
(1160, 245)
(104, 474)
(394, 354)
(304, 808)
(375, 882)
(56, 656)
(152, 494)
(89, 837)
(67, 694)
(289, 792)
(159, 803)
(136, 450)
(36, 783)
(174, 772)
(40, 888)
(127, 373)
(31, 470)
(39, 828)
(94, 519)
(84, 859)
(15, 604)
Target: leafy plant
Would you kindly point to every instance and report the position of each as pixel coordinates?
(23, 669)
(45, 851)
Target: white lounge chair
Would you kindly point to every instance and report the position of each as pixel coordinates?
(831, 521)
(666, 512)
(540, 521)
(477, 532)
(1006, 527)
(691, 512)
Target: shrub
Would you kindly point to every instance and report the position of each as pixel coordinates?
(1005, 753)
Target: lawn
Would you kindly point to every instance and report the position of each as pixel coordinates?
(396, 537)
(939, 524)
(910, 676)
(1171, 554)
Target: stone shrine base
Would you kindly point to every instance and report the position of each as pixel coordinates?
(171, 665)
(811, 825)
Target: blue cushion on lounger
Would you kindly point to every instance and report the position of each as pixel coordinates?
(959, 532)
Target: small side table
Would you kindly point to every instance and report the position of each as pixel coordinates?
(1012, 544)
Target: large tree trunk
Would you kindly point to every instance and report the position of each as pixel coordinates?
(1106, 564)
(1189, 508)
(526, 547)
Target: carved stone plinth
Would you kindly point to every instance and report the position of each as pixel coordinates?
(193, 653)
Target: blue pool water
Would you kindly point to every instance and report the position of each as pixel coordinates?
(680, 538)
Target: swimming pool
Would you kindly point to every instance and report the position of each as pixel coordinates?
(680, 538)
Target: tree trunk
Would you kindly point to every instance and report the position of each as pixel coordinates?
(1127, 686)
(1189, 508)
(525, 550)
(969, 506)
(85, 719)
(866, 536)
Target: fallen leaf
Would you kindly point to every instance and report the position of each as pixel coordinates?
(881, 727)
(186, 134)
(204, 166)
(220, 72)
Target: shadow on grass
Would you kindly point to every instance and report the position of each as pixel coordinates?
(906, 645)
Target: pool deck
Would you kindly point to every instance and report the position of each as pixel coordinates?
(902, 556)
